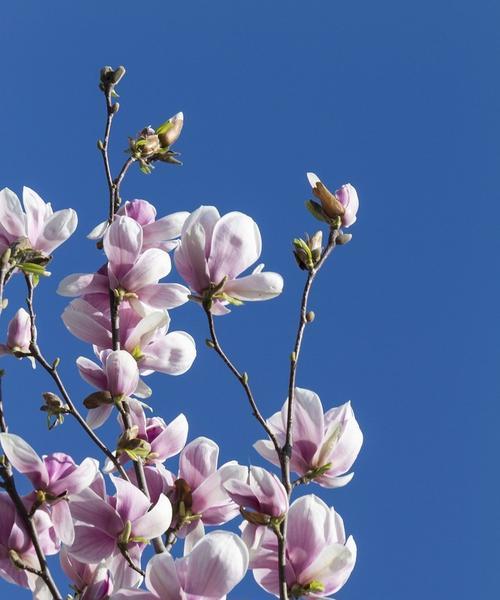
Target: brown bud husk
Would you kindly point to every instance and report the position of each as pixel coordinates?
(329, 202)
(97, 399)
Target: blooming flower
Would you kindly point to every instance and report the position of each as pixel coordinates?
(131, 272)
(199, 493)
(344, 203)
(215, 250)
(319, 559)
(119, 377)
(157, 233)
(263, 493)
(55, 478)
(44, 229)
(215, 565)
(91, 581)
(121, 524)
(325, 446)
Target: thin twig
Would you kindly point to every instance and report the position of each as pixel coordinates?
(10, 487)
(51, 369)
(243, 380)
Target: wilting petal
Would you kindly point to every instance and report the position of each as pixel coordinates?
(122, 373)
(57, 229)
(151, 266)
(92, 373)
(24, 459)
(155, 522)
(216, 564)
(63, 522)
(79, 284)
(122, 244)
(173, 354)
(236, 244)
(258, 286)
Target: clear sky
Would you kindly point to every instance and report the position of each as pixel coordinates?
(401, 99)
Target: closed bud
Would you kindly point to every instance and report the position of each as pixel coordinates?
(329, 202)
(117, 74)
(115, 108)
(310, 316)
(170, 131)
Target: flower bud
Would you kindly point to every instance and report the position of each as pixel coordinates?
(19, 333)
(329, 202)
(343, 239)
(122, 373)
(169, 132)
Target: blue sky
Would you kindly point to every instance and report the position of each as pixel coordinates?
(399, 98)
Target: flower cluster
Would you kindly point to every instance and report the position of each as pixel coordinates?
(100, 516)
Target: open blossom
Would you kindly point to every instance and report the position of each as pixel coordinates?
(215, 565)
(199, 493)
(262, 493)
(44, 229)
(18, 336)
(55, 479)
(134, 273)
(325, 446)
(15, 541)
(319, 558)
(157, 233)
(146, 338)
(344, 203)
(118, 376)
(122, 523)
(215, 250)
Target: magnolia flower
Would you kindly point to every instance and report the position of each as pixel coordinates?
(90, 581)
(146, 338)
(214, 250)
(55, 478)
(319, 559)
(344, 203)
(199, 493)
(117, 525)
(215, 565)
(325, 446)
(19, 336)
(263, 493)
(131, 272)
(16, 543)
(118, 377)
(161, 233)
(44, 229)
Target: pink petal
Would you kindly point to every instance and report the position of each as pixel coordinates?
(87, 323)
(121, 372)
(78, 479)
(83, 283)
(164, 296)
(258, 286)
(98, 416)
(166, 228)
(36, 213)
(91, 509)
(24, 459)
(92, 373)
(236, 244)
(198, 460)
(122, 244)
(151, 266)
(155, 522)
(91, 544)
(161, 577)
(173, 354)
(63, 522)
(131, 503)
(172, 439)
(57, 229)
(12, 218)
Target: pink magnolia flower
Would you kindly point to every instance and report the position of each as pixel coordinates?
(118, 375)
(111, 526)
(263, 493)
(14, 539)
(346, 195)
(215, 565)
(319, 558)
(44, 229)
(215, 250)
(146, 338)
(133, 273)
(161, 233)
(18, 336)
(325, 446)
(90, 581)
(55, 478)
(199, 488)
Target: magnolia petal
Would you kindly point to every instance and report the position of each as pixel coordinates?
(258, 286)
(79, 284)
(198, 460)
(172, 439)
(164, 296)
(150, 267)
(98, 416)
(173, 354)
(86, 323)
(63, 522)
(122, 373)
(91, 544)
(24, 459)
(155, 522)
(92, 373)
(36, 213)
(131, 503)
(166, 228)
(236, 244)
(122, 244)
(99, 230)
(12, 218)
(57, 229)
